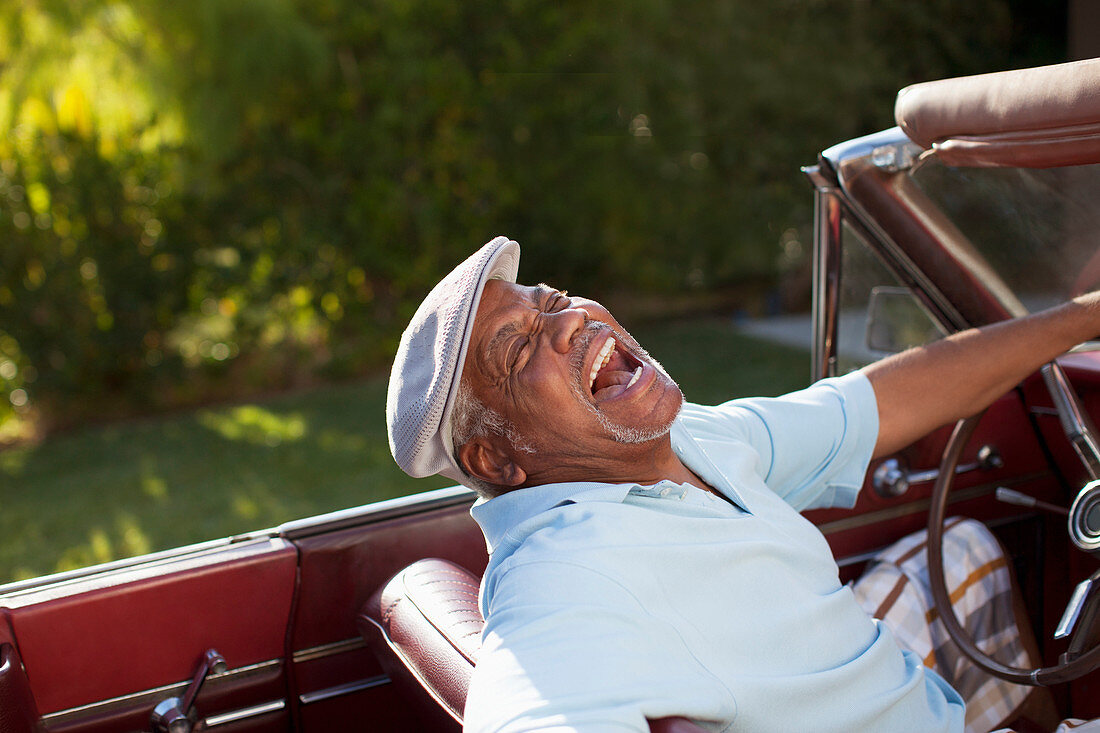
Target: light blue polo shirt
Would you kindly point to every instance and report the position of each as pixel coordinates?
(607, 604)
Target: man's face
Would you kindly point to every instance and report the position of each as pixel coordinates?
(577, 387)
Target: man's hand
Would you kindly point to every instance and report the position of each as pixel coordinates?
(923, 388)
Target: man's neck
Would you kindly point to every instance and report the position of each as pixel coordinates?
(644, 464)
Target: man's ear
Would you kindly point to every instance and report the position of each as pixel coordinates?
(482, 459)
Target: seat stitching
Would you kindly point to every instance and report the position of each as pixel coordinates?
(466, 593)
(389, 611)
(445, 571)
(446, 580)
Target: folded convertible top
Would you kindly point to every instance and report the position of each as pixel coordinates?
(1043, 117)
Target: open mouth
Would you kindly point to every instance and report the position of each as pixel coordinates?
(613, 371)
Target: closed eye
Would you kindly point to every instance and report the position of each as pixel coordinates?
(560, 301)
(516, 351)
(557, 301)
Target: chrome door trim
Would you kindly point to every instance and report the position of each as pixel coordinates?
(155, 559)
(828, 218)
(328, 693)
(327, 650)
(381, 511)
(154, 695)
(254, 711)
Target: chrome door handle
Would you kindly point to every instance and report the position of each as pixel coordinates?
(175, 715)
(892, 478)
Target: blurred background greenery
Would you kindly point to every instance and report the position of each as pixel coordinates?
(210, 200)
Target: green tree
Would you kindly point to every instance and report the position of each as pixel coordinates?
(206, 198)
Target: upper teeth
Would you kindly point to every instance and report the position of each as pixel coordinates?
(601, 360)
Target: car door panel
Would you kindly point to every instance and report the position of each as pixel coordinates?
(333, 672)
(100, 651)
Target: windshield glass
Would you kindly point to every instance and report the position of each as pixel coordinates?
(1038, 229)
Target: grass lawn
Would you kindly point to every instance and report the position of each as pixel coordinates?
(95, 495)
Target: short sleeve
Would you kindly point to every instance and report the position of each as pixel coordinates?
(568, 648)
(813, 446)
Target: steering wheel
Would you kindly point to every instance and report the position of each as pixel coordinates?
(1085, 513)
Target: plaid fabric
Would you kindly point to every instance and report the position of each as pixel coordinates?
(895, 589)
(1076, 725)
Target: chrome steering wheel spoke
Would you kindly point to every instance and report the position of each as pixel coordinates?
(1076, 423)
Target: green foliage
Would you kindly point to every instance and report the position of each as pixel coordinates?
(204, 198)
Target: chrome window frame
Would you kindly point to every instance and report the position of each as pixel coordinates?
(833, 207)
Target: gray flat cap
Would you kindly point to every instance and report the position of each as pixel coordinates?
(428, 365)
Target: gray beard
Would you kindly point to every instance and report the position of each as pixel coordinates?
(626, 434)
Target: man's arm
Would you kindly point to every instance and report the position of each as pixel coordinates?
(929, 386)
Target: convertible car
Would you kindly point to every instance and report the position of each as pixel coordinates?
(983, 204)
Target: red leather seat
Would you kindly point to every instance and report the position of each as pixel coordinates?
(431, 633)
(430, 637)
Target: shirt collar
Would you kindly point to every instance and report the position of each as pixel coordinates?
(501, 513)
(695, 457)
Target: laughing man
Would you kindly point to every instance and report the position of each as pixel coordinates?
(648, 558)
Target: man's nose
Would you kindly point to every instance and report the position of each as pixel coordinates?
(564, 326)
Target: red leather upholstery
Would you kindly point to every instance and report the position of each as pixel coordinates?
(113, 634)
(431, 625)
(429, 618)
(17, 710)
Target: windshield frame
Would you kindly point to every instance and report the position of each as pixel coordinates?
(868, 183)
